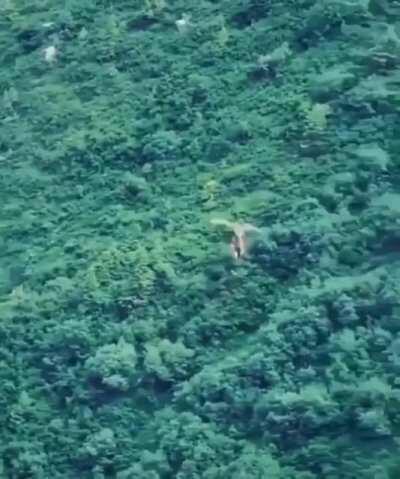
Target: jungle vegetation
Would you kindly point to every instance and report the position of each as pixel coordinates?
(137, 139)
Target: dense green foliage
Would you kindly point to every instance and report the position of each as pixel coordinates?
(133, 345)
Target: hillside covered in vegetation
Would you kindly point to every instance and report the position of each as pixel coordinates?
(200, 239)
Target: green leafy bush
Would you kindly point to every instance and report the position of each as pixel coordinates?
(114, 365)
